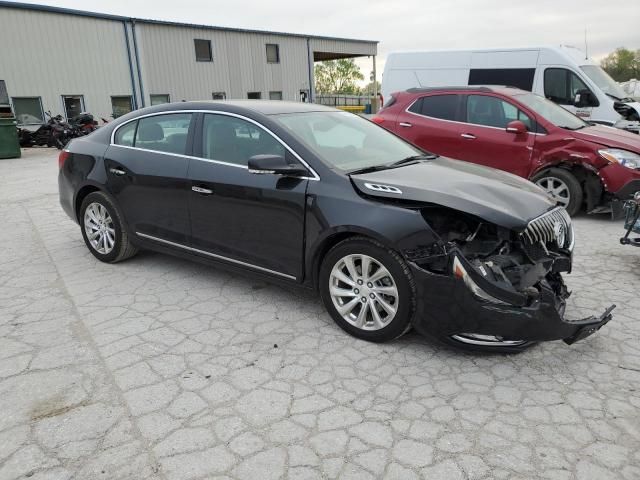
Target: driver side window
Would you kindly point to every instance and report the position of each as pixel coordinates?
(234, 140)
(562, 85)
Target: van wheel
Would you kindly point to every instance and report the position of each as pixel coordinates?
(368, 289)
(562, 187)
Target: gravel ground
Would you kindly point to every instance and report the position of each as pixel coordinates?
(159, 368)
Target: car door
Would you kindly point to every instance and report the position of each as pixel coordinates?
(485, 140)
(146, 168)
(430, 122)
(253, 219)
(562, 85)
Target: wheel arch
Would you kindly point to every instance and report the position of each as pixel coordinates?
(83, 192)
(585, 174)
(333, 239)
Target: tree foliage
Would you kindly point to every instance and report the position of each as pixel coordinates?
(622, 65)
(337, 76)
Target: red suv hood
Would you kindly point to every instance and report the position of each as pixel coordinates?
(609, 137)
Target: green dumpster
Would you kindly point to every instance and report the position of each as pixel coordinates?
(9, 145)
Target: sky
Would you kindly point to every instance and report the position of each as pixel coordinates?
(407, 24)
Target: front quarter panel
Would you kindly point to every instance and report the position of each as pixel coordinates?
(335, 210)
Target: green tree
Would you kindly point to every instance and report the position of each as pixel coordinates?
(337, 76)
(368, 88)
(622, 65)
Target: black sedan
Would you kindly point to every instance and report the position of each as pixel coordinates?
(392, 237)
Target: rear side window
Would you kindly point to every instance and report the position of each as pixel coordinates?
(444, 107)
(125, 134)
(164, 133)
(512, 77)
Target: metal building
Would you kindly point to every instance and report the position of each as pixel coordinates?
(68, 61)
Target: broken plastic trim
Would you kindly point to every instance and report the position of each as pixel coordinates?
(460, 273)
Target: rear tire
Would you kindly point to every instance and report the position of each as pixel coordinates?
(103, 229)
(563, 186)
(368, 289)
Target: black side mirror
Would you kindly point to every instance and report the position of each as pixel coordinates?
(275, 164)
(584, 98)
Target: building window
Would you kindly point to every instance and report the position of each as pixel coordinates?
(203, 50)
(28, 110)
(219, 95)
(158, 99)
(73, 105)
(121, 105)
(254, 95)
(275, 95)
(273, 53)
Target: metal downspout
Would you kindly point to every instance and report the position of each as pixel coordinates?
(312, 93)
(133, 80)
(135, 49)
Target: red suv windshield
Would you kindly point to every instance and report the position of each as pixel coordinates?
(550, 111)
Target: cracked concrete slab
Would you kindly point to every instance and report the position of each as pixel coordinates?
(160, 368)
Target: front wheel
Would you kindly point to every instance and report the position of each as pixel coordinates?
(562, 187)
(103, 229)
(367, 289)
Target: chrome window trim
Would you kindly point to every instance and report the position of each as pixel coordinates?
(213, 255)
(314, 175)
(465, 123)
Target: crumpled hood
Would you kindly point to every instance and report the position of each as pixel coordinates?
(610, 137)
(493, 195)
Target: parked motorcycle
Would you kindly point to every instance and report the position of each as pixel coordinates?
(83, 124)
(55, 133)
(632, 221)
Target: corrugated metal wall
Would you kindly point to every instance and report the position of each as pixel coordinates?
(49, 55)
(239, 63)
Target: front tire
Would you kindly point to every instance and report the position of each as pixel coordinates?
(367, 289)
(103, 229)
(563, 187)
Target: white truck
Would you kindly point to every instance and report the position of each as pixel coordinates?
(562, 74)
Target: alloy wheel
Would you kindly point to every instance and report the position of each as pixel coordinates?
(98, 225)
(557, 189)
(363, 292)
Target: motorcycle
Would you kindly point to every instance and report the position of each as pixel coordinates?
(54, 133)
(632, 221)
(83, 124)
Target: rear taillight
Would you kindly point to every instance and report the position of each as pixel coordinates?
(378, 120)
(64, 154)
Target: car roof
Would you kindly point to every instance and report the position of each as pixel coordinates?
(265, 107)
(503, 89)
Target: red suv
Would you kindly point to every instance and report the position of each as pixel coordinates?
(576, 162)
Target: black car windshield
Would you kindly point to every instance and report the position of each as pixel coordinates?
(346, 141)
(604, 82)
(551, 111)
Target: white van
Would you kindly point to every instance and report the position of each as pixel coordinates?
(562, 74)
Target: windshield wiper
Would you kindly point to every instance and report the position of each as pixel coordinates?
(411, 159)
(399, 163)
(572, 129)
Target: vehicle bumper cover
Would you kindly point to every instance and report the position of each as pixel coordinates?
(620, 181)
(447, 307)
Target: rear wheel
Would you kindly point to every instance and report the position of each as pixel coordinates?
(367, 289)
(562, 187)
(103, 229)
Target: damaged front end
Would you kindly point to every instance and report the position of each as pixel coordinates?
(488, 285)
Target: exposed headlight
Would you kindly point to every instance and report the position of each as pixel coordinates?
(460, 272)
(623, 157)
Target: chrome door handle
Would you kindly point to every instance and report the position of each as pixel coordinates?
(405, 124)
(117, 171)
(203, 191)
(468, 135)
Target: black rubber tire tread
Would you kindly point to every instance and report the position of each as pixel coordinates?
(123, 248)
(401, 324)
(575, 189)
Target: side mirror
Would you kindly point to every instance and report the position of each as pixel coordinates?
(584, 98)
(517, 127)
(275, 164)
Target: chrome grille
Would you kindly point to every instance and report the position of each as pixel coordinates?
(548, 228)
